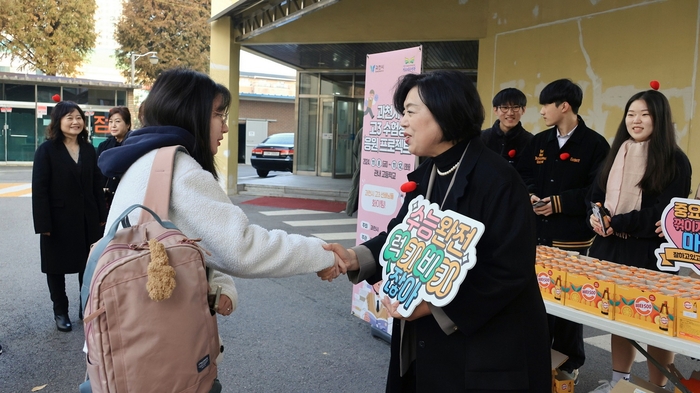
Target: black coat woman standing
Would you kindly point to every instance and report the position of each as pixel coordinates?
(67, 203)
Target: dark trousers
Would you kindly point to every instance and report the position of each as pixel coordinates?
(567, 338)
(57, 289)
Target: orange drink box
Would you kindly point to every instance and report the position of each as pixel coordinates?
(688, 326)
(588, 293)
(648, 309)
(552, 281)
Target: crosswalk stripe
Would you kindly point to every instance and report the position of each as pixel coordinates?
(335, 236)
(291, 212)
(603, 342)
(311, 223)
(15, 189)
(328, 236)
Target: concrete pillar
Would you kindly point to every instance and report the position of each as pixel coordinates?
(224, 69)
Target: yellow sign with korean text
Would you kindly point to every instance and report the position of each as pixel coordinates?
(428, 255)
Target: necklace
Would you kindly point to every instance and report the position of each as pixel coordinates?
(74, 152)
(432, 179)
(447, 172)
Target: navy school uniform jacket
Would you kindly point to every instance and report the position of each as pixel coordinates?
(503, 143)
(565, 175)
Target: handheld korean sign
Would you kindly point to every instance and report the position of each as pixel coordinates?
(428, 255)
(680, 223)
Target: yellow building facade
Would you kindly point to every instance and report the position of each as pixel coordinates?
(612, 49)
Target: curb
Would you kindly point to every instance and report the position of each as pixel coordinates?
(292, 192)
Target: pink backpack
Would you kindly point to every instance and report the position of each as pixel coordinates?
(135, 343)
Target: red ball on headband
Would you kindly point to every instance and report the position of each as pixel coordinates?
(511, 153)
(564, 156)
(409, 186)
(655, 84)
(56, 98)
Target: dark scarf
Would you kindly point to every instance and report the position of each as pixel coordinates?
(115, 162)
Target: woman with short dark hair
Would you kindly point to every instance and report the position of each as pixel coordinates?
(493, 335)
(68, 203)
(119, 120)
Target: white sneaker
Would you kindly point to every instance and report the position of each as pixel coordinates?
(569, 375)
(605, 387)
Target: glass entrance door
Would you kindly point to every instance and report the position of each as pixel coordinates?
(325, 159)
(18, 141)
(347, 123)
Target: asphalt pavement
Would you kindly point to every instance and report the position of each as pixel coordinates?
(288, 335)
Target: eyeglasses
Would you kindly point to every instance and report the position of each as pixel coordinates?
(506, 109)
(223, 116)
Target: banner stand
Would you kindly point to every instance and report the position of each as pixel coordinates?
(384, 164)
(378, 333)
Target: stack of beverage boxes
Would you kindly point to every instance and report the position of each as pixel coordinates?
(660, 302)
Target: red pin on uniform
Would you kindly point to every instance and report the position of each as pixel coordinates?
(409, 186)
(564, 156)
(56, 98)
(654, 84)
(511, 153)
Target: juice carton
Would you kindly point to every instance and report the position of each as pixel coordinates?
(590, 294)
(551, 281)
(563, 384)
(688, 326)
(560, 383)
(647, 309)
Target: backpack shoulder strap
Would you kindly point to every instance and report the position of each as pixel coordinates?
(159, 182)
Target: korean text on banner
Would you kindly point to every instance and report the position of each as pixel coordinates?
(385, 162)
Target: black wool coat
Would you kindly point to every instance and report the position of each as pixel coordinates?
(502, 339)
(68, 202)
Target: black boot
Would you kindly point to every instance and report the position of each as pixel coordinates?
(63, 323)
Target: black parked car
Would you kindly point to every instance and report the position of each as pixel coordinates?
(275, 153)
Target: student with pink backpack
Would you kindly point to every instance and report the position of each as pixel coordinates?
(188, 109)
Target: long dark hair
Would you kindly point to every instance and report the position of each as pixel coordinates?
(53, 131)
(184, 98)
(452, 99)
(661, 163)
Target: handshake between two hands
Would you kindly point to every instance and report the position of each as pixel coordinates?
(345, 259)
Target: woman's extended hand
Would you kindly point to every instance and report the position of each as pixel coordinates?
(330, 273)
(339, 267)
(347, 256)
